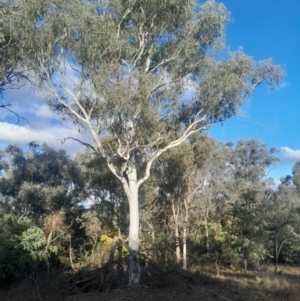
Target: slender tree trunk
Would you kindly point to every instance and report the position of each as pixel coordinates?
(70, 253)
(206, 229)
(184, 260)
(217, 264)
(152, 234)
(152, 230)
(245, 260)
(177, 242)
(278, 248)
(165, 251)
(48, 242)
(184, 247)
(134, 269)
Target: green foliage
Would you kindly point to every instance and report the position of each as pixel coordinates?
(15, 262)
(91, 225)
(296, 175)
(244, 217)
(108, 195)
(121, 51)
(291, 249)
(244, 241)
(16, 29)
(34, 241)
(40, 180)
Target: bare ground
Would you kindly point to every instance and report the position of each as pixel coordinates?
(162, 284)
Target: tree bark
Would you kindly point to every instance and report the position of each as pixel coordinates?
(184, 260)
(206, 230)
(177, 241)
(134, 211)
(217, 264)
(184, 246)
(152, 234)
(71, 252)
(245, 260)
(134, 269)
(48, 242)
(152, 231)
(277, 252)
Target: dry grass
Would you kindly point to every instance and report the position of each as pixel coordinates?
(285, 284)
(175, 284)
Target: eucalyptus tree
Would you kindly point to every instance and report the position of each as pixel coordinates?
(9, 54)
(15, 47)
(215, 175)
(39, 182)
(283, 219)
(183, 180)
(250, 162)
(174, 184)
(296, 175)
(145, 74)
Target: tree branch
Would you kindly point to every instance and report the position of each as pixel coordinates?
(188, 132)
(81, 142)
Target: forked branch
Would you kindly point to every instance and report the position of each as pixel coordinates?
(188, 132)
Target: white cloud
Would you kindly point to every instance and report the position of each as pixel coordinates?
(28, 104)
(43, 111)
(43, 125)
(53, 136)
(290, 155)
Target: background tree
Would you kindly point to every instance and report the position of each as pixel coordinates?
(122, 68)
(105, 193)
(282, 221)
(39, 182)
(14, 260)
(215, 175)
(180, 178)
(44, 186)
(296, 175)
(249, 163)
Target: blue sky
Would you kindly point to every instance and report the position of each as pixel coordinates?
(268, 29)
(264, 29)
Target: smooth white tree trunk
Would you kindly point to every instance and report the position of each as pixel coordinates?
(134, 270)
(133, 211)
(184, 259)
(177, 241)
(278, 247)
(186, 219)
(152, 234)
(176, 226)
